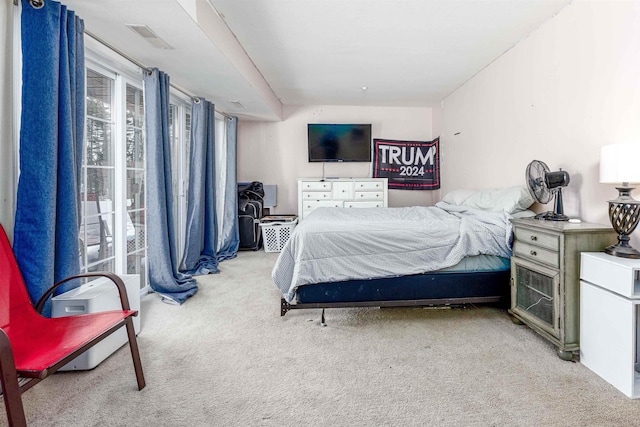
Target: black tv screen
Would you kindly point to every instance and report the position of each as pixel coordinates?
(339, 142)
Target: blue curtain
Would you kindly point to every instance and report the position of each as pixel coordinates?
(227, 196)
(202, 226)
(164, 276)
(51, 137)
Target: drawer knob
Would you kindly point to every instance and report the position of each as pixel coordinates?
(533, 253)
(534, 238)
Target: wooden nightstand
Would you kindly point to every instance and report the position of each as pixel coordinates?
(545, 276)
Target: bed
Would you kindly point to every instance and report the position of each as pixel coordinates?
(455, 252)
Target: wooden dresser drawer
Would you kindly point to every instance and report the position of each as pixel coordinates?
(309, 205)
(368, 204)
(536, 253)
(537, 238)
(342, 190)
(316, 195)
(369, 185)
(316, 185)
(369, 195)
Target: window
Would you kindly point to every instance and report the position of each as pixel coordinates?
(114, 215)
(135, 165)
(221, 169)
(113, 211)
(98, 175)
(180, 133)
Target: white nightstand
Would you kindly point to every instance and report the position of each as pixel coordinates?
(609, 317)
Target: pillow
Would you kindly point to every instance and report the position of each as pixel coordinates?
(457, 197)
(511, 200)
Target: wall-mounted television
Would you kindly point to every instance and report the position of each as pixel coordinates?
(339, 142)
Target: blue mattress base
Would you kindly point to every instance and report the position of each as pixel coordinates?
(459, 286)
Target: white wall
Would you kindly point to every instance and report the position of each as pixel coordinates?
(6, 118)
(276, 152)
(569, 88)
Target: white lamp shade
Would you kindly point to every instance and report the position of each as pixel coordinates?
(620, 163)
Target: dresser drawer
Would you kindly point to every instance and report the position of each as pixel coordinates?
(342, 190)
(309, 206)
(369, 195)
(315, 186)
(371, 204)
(369, 185)
(536, 253)
(316, 195)
(526, 235)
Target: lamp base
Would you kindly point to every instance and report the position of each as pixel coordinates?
(622, 251)
(624, 214)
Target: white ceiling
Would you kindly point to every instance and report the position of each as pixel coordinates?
(270, 53)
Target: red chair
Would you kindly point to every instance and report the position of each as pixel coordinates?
(32, 347)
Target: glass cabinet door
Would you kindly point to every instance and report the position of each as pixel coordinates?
(535, 294)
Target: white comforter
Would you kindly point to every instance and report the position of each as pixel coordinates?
(337, 244)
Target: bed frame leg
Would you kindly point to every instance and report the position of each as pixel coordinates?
(284, 307)
(322, 322)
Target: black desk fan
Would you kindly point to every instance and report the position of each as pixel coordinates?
(544, 185)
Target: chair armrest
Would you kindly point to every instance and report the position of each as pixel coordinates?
(122, 290)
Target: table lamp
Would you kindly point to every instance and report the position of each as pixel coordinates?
(620, 164)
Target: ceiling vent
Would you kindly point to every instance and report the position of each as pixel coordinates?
(150, 36)
(236, 104)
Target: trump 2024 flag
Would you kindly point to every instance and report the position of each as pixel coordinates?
(409, 165)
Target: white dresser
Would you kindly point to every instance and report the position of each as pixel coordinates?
(610, 319)
(340, 192)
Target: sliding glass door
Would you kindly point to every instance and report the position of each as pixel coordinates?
(113, 231)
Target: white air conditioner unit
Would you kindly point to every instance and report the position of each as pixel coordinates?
(98, 295)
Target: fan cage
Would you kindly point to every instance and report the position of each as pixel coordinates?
(537, 174)
(536, 171)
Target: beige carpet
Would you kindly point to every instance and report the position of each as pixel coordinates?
(227, 358)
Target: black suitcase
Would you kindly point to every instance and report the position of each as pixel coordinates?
(250, 202)
(249, 214)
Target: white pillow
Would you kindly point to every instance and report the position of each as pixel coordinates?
(457, 197)
(511, 200)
